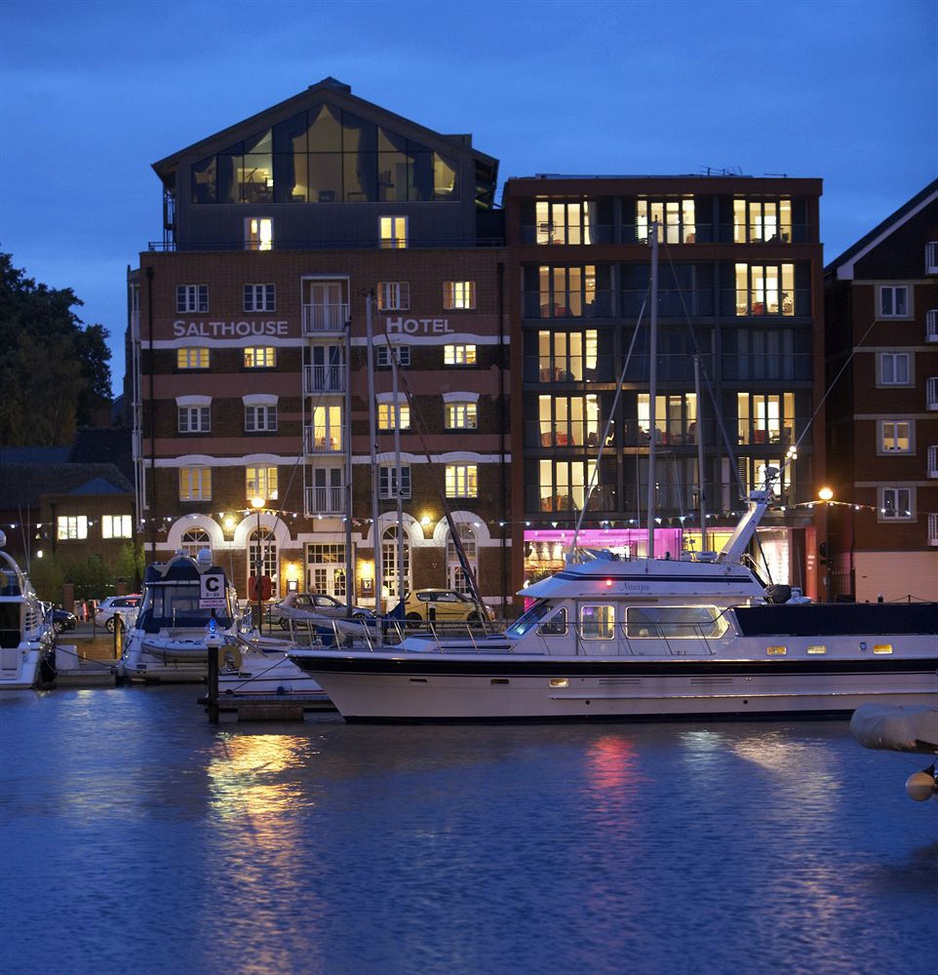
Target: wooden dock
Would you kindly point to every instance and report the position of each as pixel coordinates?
(235, 708)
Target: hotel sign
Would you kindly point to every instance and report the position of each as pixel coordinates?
(230, 330)
(418, 326)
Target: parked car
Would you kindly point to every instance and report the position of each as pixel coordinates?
(125, 606)
(443, 605)
(63, 620)
(314, 602)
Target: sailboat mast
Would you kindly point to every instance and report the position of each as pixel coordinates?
(373, 436)
(652, 386)
(701, 495)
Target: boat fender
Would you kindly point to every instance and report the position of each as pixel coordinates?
(922, 785)
(229, 657)
(778, 593)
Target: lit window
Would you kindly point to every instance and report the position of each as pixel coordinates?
(675, 219)
(598, 622)
(116, 526)
(765, 289)
(326, 429)
(387, 482)
(461, 416)
(564, 223)
(192, 298)
(755, 221)
(895, 504)
(459, 295)
(71, 527)
(388, 416)
(195, 484)
(260, 357)
(393, 296)
(260, 297)
(194, 419)
(462, 481)
(894, 301)
(393, 232)
(192, 358)
(894, 368)
(459, 355)
(260, 419)
(261, 482)
(259, 234)
(895, 436)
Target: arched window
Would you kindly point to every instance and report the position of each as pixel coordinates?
(454, 570)
(194, 540)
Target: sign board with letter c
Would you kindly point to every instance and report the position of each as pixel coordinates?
(212, 594)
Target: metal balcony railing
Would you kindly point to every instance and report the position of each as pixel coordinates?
(319, 318)
(324, 379)
(328, 500)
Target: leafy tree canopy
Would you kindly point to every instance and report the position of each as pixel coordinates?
(54, 370)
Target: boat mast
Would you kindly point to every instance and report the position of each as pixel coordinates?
(652, 385)
(373, 435)
(701, 496)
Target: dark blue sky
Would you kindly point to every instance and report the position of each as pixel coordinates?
(94, 92)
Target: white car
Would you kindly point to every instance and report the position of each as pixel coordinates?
(123, 606)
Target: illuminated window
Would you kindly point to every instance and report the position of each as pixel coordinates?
(675, 417)
(462, 481)
(568, 420)
(260, 297)
(598, 622)
(563, 356)
(117, 526)
(393, 295)
(71, 528)
(562, 484)
(393, 232)
(564, 223)
(461, 416)
(261, 482)
(326, 429)
(894, 301)
(259, 234)
(766, 418)
(765, 289)
(675, 218)
(755, 221)
(194, 540)
(260, 357)
(192, 358)
(895, 436)
(191, 298)
(459, 295)
(459, 355)
(393, 416)
(195, 484)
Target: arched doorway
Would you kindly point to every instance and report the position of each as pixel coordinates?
(455, 575)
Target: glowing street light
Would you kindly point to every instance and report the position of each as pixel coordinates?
(258, 505)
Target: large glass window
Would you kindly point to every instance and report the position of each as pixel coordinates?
(567, 292)
(675, 217)
(765, 289)
(564, 356)
(392, 232)
(755, 221)
(675, 417)
(195, 484)
(117, 526)
(766, 418)
(327, 428)
(562, 485)
(258, 234)
(569, 420)
(462, 481)
(71, 527)
(261, 482)
(564, 223)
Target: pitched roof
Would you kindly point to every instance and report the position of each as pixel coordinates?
(24, 484)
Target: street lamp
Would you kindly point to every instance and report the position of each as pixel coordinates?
(825, 495)
(258, 504)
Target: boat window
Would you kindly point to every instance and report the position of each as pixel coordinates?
(598, 622)
(655, 622)
(531, 617)
(556, 625)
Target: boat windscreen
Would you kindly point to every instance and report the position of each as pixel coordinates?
(531, 617)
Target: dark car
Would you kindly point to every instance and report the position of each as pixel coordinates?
(63, 620)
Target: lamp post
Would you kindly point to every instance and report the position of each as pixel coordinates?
(258, 504)
(825, 495)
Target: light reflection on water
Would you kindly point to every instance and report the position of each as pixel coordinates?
(135, 836)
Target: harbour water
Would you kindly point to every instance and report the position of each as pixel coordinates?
(137, 837)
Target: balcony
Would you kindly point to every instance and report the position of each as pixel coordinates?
(321, 440)
(931, 325)
(931, 393)
(325, 500)
(323, 379)
(322, 318)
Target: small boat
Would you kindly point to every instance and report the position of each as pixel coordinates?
(612, 638)
(187, 606)
(260, 667)
(27, 631)
(901, 729)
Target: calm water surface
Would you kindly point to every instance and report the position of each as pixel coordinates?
(137, 838)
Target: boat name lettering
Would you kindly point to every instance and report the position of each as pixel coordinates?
(411, 326)
(636, 587)
(220, 330)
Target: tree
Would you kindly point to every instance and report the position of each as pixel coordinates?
(53, 368)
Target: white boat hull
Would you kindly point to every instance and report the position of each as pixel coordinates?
(20, 667)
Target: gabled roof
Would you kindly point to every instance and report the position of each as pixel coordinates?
(329, 91)
(23, 485)
(845, 264)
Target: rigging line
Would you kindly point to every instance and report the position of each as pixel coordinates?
(610, 420)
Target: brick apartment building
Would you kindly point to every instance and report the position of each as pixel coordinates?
(326, 233)
(882, 346)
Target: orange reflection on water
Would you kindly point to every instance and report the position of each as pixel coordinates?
(612, 762)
